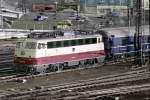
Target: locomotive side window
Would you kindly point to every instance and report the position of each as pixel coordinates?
(58, 44)
(66, 43)
(73, 42)
(80, 41)
(90, 41)
(87, 41)
(50, 45)
(94, 40)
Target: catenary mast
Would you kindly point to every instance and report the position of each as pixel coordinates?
(139, 31)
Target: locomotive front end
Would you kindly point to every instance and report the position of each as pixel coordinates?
(25, 55)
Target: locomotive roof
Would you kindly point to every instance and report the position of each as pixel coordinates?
(60, 38)
(60, 35)
(125, 31)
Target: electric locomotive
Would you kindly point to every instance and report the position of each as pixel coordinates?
(53, 51)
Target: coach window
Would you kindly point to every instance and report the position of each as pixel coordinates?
(148, 39)
(125, 41)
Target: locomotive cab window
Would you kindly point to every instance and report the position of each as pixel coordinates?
(19, 44)
(30, 45)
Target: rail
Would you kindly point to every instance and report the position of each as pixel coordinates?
(83, 85)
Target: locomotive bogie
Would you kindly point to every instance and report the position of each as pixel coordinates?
(35, 69)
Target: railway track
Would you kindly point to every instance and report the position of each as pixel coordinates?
(6, 63)
(29, 76)
(80, 88)
(97, 94)
(9, 74)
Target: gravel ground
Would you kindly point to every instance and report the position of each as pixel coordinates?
(65, 77)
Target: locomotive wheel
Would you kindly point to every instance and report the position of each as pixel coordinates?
(51, 68)
(33, 71)
(55, 68)
(43, 71)
(81, 63)
(90, 62)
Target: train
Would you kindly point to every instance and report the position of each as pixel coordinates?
(58, 50)
(120, 42)
(53, 51)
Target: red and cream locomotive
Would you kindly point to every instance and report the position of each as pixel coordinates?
(52, 51)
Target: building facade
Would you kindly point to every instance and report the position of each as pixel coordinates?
(102, 7)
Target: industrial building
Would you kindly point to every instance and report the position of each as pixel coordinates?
(102, 7)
